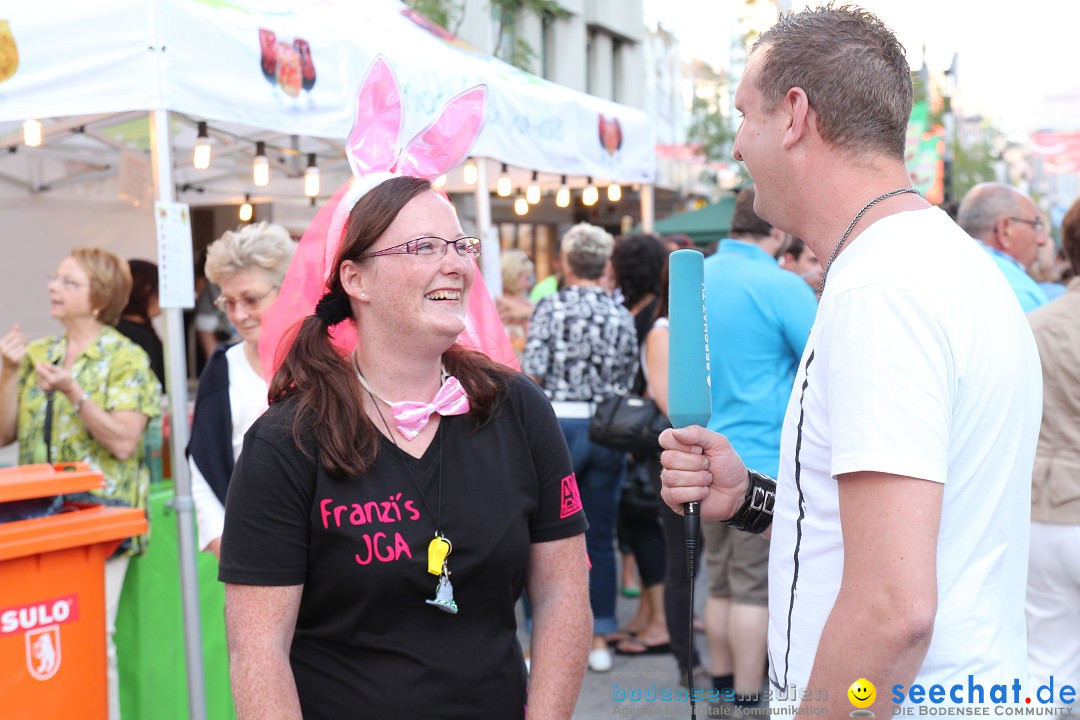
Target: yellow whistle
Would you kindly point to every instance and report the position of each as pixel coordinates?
(437, 550)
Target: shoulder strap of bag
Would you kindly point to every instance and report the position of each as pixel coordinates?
(48, 427)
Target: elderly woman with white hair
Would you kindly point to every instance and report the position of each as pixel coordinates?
(249, 266)
(581, 349)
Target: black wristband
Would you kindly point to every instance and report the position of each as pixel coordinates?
(756, 512)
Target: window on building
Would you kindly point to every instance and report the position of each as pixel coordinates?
(590, 61)
(547, 51)
(618, 91)
(507, 41)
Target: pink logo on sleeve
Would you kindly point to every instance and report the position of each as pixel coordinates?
(571, 498)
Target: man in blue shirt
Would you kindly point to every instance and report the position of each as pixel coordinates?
(1008, 225)
(759, 319)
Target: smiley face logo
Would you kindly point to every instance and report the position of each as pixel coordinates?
(862, 693)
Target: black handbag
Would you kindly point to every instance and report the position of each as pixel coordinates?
(639, 498)
(628, 423)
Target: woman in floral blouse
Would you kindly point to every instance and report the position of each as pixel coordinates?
(94, 391)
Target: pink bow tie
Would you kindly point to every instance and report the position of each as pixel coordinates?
(410, 417)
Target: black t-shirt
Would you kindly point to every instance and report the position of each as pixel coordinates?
(643, 323)
(366, 644)
(144, 336)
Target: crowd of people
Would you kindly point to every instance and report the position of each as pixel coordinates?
(890, 478)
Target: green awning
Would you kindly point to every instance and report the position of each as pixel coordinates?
(711, 223)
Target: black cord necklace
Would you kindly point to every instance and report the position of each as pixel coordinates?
(440, 546)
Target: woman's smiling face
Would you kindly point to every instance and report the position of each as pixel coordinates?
(420, 295)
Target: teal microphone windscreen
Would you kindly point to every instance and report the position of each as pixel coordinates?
(689, 389)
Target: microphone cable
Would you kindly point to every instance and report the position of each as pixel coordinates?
(692, 528)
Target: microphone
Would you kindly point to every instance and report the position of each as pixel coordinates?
(689, 388)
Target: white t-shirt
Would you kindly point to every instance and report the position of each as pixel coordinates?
(920, 363)
(247, 401)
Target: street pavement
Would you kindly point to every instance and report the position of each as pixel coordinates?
(629, 688)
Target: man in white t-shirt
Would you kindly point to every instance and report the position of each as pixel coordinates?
(899, 541)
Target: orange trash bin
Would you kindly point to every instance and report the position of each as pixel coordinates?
(52, 595)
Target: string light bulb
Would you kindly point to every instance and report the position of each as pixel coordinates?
(532, 193)
(31, 132)
(521, 205)
(614, 192)
(468, 173)
(503, 187)
(260, 168)
(202, 148)
(246, 211)
(562, 197)
(590, 195)
(311, 177)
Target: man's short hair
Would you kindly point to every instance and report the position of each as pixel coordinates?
(984, 205)
(795, 247)
(744, 221)
(587, 249)
(854, 72)
(1070, 236)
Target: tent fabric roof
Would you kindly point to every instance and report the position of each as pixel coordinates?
(711, 223)
(290, 69)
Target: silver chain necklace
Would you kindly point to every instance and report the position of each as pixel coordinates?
(854, 221)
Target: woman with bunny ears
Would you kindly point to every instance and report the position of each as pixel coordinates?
(396, 499)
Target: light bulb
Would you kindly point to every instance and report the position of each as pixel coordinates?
(202, 148)
(590, 194)
(468, 173)
(532, 193)
(562, 197)
(246, 210)
(311, 177)
(521, 205)
(614, 192)
(260, 168)
(503, 187)
(31, 132)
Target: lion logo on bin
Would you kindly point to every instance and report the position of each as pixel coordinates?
(43, 652)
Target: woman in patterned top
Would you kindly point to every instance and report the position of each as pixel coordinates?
(86, 395)
(582, 348)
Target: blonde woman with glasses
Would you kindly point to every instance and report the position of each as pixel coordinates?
(248, 265)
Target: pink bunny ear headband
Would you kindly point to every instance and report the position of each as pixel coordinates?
(372, 146)
(373, 152)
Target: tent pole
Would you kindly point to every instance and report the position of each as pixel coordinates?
(490, 261)
(648, 208)
(161, 159)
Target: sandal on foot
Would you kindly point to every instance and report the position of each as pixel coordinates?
(620, 636)
(633, 647)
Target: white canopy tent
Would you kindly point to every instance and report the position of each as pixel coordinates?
(218, 61)
(284, 73)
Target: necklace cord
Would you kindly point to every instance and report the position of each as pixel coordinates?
(437, 516)
(854, 221)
